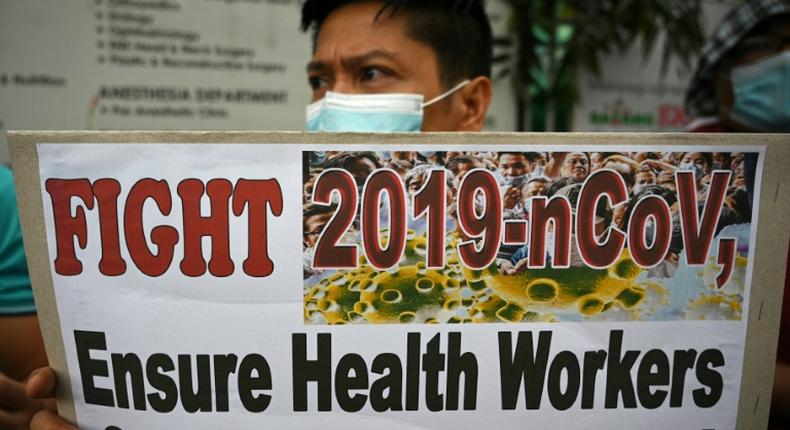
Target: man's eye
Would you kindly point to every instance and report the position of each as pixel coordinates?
(317, 82)
(372, 73)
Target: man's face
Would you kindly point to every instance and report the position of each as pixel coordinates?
(575, 165)
(313, 226)
(355, 53)
(720, 160)
(645, 178)
(768, 39)
(535, 188)
(540, 161)
(416, 184)
(697, 159)
(462, 169)
(403, 155)
(513, 165)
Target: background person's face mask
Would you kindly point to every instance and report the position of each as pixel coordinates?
(511, 181)
(691, 167)
(388, 112)
(537, 172)
(762, 94)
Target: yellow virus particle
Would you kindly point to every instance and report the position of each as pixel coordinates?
(656, 297)
(735, 284)
(332, 300)
(579, 289)
(407, 293)
(715, 307)
(486, 307)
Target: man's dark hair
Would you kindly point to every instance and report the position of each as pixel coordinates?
(668, 195)
(311, 209)
(532, 156)
(500, 154)
(458, 31)
(346, 160)
(454, 162)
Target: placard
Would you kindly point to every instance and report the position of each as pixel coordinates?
(415, 280)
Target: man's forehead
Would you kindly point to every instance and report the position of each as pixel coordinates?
(379, 27)
(371, 54)
(511, 158)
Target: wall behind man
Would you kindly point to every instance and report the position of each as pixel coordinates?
(632, 94)
(152, 64)
(163, 64)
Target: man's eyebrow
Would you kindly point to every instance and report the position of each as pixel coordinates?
(358, 60)
(317, 66)
(355, 61)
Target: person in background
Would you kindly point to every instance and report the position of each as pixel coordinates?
(535, 187)
(537, 163)
(623, 165)
(700, 164)
(21, 346)
(460, 165)
(741, 84)
(575, 165)
(642, 179)
(740, 80)
(360, 164)
(513, 168)
(408, 156)
(597, 159)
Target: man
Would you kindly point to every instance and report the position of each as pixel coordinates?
(642, 179)
(461, 165)
(740, 84)
(513, 168)
(700, 164)
(535, 187)
(741, 78)
(575, 165)
(439, 51)
(360, 164)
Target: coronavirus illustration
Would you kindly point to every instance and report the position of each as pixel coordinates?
(423, 246)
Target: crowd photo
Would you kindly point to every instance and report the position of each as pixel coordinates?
(551, 294)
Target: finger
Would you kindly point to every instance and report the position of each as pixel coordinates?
(13, 420)
(41, 384)
(46, 420)
(51, 405)
(12, 393)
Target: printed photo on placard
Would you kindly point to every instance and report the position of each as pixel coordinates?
(485, 237)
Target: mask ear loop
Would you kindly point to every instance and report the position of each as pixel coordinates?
(446, 93)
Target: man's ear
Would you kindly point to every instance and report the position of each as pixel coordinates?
(475, 98)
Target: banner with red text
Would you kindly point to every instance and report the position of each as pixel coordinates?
(402, 286)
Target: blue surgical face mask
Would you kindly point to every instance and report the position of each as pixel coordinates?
(512, 181)
(762, 94)
(387, 112)
(698, 171)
